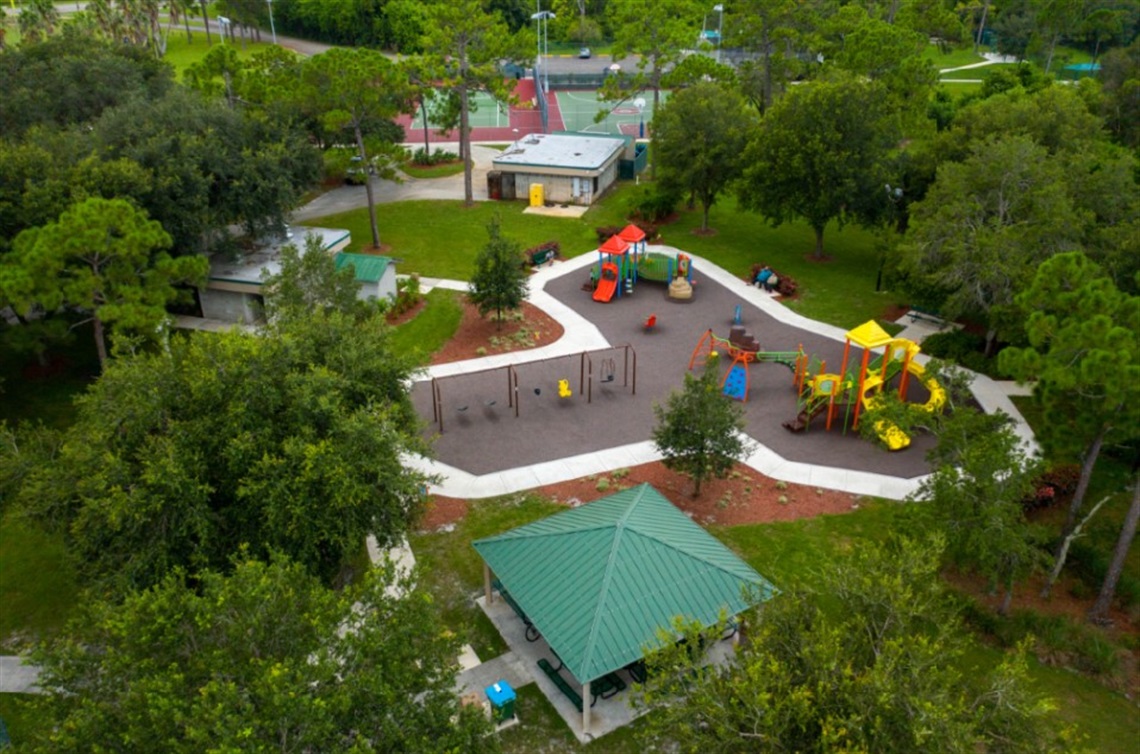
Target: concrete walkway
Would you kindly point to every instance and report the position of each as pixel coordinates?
(581, 335)
(17, 676)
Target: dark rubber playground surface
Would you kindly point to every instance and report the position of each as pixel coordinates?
(482, 438)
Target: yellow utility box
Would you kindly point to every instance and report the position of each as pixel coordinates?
(536, 197)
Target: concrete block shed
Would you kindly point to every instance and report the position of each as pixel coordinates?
(573, 168)
(375, 274)
(233, 289)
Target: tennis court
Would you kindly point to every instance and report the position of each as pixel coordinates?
(569, 111)
(579, 109)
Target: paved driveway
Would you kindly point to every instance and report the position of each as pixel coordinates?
(347, 198)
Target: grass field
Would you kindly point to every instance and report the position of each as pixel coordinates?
(953, 59)
(37, 585)
(840, 291)
(182, 54)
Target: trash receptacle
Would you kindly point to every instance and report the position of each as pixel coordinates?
(502, 698)
(537, 198)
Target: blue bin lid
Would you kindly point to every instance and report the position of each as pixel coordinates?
(500, 693)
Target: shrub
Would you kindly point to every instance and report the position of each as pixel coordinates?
(652, 233)
(407, 294)
(654, 204)
(422, 157)
(966, 349)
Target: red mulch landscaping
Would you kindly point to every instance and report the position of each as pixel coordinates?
(745, 497)
(476, 332)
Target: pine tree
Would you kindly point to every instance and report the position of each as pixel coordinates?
(499, 282)
(699, 430)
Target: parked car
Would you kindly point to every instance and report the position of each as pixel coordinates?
(356, 174)
(584, 53)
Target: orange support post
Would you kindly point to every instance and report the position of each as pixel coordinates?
(862, 379)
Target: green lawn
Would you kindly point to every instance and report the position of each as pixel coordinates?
(182, 54)
(37, 584)
(840, 291)
(431, 328)
(20, 716)
(954, 59)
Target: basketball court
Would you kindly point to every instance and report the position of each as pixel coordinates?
(492, 120)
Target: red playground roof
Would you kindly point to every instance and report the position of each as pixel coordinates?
(614, 245)
(632, 233)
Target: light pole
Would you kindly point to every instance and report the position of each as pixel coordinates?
(894, 196)
(542, 27)
(271, 27)
(719, 29)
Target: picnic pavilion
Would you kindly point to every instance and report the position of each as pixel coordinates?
(597, 582)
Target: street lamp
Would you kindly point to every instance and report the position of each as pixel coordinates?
(542, 27)
(719, 29)
(894, 196)
(271, 27)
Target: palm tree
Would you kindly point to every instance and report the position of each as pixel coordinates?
(37, 20)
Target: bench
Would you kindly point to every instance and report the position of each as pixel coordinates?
(532, 633)
(608, 685)
(916, 314)
(570, 692)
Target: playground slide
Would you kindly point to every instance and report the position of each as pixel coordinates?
(937, 392)
(890, 434)
(894, 437)
(608, 284)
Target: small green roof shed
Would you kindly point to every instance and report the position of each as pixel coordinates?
(598, 581)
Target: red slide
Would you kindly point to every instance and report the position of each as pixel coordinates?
(608, 284)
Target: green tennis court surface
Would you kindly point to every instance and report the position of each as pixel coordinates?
(486, 111)
(580, 108)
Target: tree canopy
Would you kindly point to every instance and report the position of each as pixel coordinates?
(467, 42)
(871, 666)
(262, 658)
(700, 134)
(985, 225)
(498, 282)
(699, 431)
(288, 441)
(1083, 358)
(822, 153)
(106, 258)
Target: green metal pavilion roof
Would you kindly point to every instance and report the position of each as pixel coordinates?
(368, 268)
(599, 580)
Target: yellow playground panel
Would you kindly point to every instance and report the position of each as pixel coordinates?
(825, 390)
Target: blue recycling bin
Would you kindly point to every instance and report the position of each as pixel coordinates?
(502, 698)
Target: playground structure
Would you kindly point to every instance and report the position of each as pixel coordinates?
(744, 350)
(851, 392)
(606, 373)
(623, 259)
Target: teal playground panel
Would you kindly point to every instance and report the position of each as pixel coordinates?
(625, 118)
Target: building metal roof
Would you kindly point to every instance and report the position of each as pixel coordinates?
(369, 268)
(574, 151)
(598, 581)
(265, 259)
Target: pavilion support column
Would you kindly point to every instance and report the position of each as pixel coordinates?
(586, 708)
(487, 583)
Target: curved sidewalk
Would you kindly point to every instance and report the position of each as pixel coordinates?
(581, 334)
